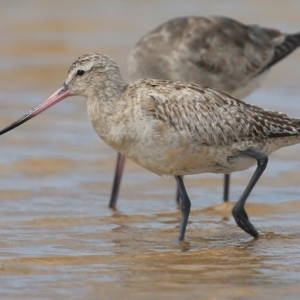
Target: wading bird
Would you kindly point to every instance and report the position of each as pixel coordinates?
(175, 128)
(211, 51)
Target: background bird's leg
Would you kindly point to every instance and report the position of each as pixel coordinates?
(238, 210)
(117, 180)
(226, 187)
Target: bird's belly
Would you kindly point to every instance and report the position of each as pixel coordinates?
(197, 159)
(177, 153)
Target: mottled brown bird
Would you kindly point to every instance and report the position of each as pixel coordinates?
(211, 51)
(175, 128)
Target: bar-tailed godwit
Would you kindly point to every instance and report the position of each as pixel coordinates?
(211, 51)
(175, 128)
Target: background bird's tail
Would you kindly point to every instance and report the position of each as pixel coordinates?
(291, 43)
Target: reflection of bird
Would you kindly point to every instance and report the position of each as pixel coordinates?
(217, 52)
(175, 128)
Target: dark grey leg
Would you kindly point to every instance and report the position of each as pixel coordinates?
(177, 199)
(225, 195)
(238, 210)
(226, 187)
(117, 181)
(185, 207)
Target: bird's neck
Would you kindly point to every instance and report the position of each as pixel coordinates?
(105, 106)
(111, 88)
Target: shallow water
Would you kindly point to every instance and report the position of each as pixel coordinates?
(58, 239)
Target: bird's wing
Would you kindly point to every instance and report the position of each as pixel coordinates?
(207, 114)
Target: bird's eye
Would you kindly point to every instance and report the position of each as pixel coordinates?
(80, 72)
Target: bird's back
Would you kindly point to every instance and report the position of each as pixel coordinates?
(213, 116)
(189, 128)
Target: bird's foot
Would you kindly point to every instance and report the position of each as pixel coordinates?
(242, 220)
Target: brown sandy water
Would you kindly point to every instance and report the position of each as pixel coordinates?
(59, 240)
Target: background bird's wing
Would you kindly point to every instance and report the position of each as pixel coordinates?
(223, 45)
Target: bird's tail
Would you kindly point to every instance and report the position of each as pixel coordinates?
(291, 43)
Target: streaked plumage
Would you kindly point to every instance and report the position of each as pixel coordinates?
(175, 128)
(194, 129)
(211, 51)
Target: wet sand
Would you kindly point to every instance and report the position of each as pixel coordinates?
(58, 239)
